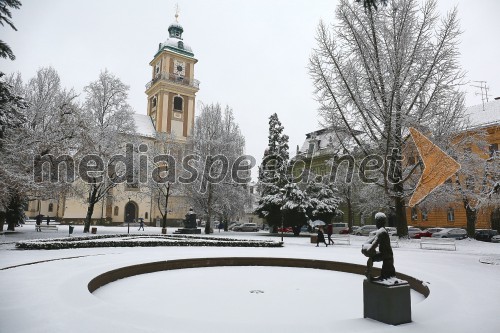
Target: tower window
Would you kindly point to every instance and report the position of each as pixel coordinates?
(180, 44)
(178, 103)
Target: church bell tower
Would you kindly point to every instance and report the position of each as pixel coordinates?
(172, 89)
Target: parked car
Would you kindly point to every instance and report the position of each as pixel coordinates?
(427, 232)
(485, 235)
(344, 231)
(233, 225)
(339, 226)
(285, 229)
(456, 233)
(412, 231)
(365, 230)
(390, 230)
(354, 229)
(495, 239)
(246, 227)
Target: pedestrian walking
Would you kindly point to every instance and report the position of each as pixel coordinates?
(221, 225)
(329, 232)
(321, 237)
(141, 224)
(38, 222)
(48, 220)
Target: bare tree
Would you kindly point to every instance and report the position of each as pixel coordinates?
(216, 145)
(474, 184)
(109, 126)
(385, 71)
(50, 127)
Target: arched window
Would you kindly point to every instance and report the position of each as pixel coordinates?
(180, 44)
(51, 207)
(451, 214)
(177, 103)
(146, 215)
(116, 211)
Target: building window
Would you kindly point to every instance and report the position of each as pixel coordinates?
(51, 207)
(180, 44)
(178, 103)
(146, 215)
(414, 214)
(493, 149)
(424, 215)
(115, 213)
(451, 214)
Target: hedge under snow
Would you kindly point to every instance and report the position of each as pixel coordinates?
(124, 240)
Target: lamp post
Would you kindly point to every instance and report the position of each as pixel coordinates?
(128, 218)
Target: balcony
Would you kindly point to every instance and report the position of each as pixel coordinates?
(173, 78)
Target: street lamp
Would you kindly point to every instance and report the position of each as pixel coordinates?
(128, 218)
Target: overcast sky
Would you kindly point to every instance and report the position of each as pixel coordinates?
(252, 55)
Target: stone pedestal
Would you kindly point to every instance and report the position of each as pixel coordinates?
(387, 302)
(188, 231)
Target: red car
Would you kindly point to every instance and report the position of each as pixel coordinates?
(427, 232)
(285, 229)
(344, 231)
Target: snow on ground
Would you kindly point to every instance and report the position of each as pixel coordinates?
(51, 295)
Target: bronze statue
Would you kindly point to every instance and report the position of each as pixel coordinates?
(383, 241)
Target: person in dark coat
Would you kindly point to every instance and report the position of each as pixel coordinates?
(48, 220)
(38, 222)
(329, 232)
(321, 237)
(141, 224)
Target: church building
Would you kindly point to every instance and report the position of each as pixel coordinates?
(171, 97)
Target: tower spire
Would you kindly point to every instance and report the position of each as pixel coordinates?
(177, 12)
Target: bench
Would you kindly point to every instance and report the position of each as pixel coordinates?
(394, 241)
(337, 238)
(438, 241)
(46, 227)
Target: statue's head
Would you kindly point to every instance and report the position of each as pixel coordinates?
(380, 220)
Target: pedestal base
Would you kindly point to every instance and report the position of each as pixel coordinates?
(390, 304)
(188, 231)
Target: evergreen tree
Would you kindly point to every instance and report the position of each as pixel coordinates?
(323, 201)
(5, 16)
(273, 173)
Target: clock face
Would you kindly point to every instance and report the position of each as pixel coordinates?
(180, 68)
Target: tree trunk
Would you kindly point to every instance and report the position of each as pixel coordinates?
(471, 215)
(208, 223)
(401, 224)
(350, 216)
(90, 211)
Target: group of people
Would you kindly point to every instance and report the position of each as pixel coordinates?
(321, 235)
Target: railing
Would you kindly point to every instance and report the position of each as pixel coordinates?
(174, 79)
